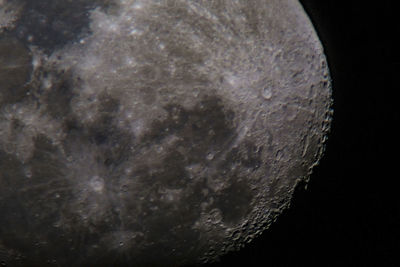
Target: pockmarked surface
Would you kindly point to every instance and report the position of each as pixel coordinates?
(160, 132)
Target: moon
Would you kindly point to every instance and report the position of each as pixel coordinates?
(153, 133)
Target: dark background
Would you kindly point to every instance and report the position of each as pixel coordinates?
(349, 215)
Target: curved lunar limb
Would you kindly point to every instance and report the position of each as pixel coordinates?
(175, 127)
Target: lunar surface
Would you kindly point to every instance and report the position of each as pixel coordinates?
(154, 132)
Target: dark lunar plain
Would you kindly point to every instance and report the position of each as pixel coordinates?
(349, 215)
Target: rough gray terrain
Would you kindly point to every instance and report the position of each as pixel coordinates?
(159, 132)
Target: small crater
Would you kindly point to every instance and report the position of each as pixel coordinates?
(97, 184)
(266, 92)
(210, 156)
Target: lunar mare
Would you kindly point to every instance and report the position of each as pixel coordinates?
(175, 127)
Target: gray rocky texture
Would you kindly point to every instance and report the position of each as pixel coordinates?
(153, 132)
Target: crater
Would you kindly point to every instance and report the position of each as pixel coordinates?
(234, 201)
